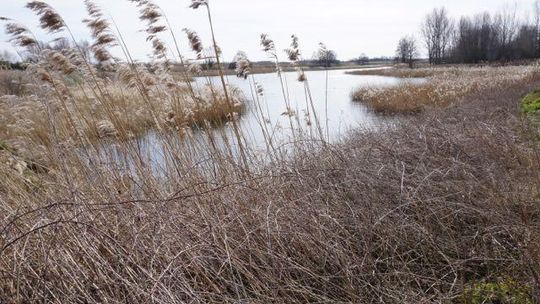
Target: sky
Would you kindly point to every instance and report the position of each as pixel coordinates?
(349, 27)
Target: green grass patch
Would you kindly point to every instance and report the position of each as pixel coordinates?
(507, 291)
(531, 103)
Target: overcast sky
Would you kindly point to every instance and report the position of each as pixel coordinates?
(350, 27)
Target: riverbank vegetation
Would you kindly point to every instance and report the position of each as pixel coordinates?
(443, 86)
(396, 71)
(452, 206)
(437, 207)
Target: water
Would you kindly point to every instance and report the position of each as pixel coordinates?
(343, 114)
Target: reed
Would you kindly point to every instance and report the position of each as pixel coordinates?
(429, 209)
(445, 86)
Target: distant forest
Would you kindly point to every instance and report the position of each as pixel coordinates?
(485, 37)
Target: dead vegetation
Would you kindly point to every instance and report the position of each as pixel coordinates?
(408, 215)
(396, 72)
(443, 87)
(421, 211)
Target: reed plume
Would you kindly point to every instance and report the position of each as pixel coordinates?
(195, 42)
(100, 31)
(259, 89)
(243, 68)
(151, 13)
(49, 19)
(196, 3)
(105, 128)
(267, 44)
(60, 62)
(195, 69)
(19, 34)
(293, 54)
(324, 50)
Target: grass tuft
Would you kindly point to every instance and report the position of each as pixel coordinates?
(531, 103)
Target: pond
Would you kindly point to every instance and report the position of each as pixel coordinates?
(343, 114)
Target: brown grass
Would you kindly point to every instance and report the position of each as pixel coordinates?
(416, 212)
(13, 83)
(406, 215)
(396, 72)
(443, 87)
(404, 98)
(24, 120)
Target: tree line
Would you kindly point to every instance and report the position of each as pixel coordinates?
(481, 38)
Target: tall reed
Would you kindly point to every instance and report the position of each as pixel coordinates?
(118, 183)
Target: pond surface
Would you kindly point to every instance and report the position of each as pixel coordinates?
(343, 114)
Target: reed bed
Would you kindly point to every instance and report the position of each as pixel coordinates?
(453, 205)
(397, 72)
(124, 109)
(435, 210)
(444, 86)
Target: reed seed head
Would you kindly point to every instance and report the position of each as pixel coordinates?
(61, 62)
(151, 14)
(267, 43)
(259, 89)
(302, 76)
(243, 68)
(105, 128)
(100, 30)
(195, 42)
(195, 4)
(49, 19)
(195, 69)
(20, 35)
(293, 53)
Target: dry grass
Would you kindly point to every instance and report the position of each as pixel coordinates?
(446, 85)
(453, 203)
(24, 120)
(397, 72)
(12, 83)
(418, 213)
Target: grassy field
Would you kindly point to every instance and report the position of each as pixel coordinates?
(437, 207)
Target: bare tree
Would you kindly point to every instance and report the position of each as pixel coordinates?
(507, 27)
(407, 50)
(483, 37)
(364, 59)
(325, 57)
(85, 49)
(437, 33)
